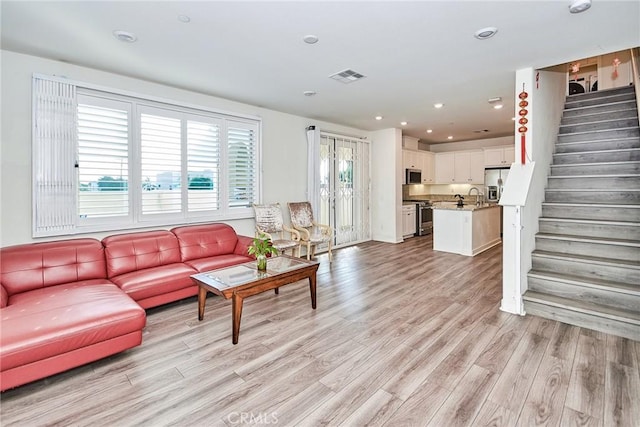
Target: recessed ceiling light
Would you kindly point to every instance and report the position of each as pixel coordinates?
(497, 106)
(485, 33)
(438, 105)
(429, 130)
(403, 123)
(184, 18)
(450, 137)
(310, 39)
(309, 92)
(378, 117)
(578, 6)
(125, 36)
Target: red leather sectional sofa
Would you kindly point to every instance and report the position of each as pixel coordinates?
(70, 302)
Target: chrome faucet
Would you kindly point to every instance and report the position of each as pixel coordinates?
(478, 197)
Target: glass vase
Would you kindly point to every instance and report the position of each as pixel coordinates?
(262, 262)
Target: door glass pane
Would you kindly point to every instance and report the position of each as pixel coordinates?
(345, 221)
(325, 182)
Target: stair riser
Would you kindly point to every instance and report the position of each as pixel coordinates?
(586, 294)
(595, 183)
(613, 156)
(625, 253)
(596, 126)
(615, 144)
(591, 212)
(601, 197)
(597, 135)
(584, 320)
(572, 103)
(598, 109)
(597, 169)
(614, 273)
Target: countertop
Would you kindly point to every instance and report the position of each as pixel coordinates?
(467, 207)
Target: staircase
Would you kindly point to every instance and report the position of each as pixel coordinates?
(586, 265)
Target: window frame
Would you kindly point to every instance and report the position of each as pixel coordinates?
(135, 218)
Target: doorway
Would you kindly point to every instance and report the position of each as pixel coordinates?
(344, 188)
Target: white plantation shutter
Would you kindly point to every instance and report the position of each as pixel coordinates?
(160, 163)
(54, 156)
(105, 161)
(203, 166)
(242, 164)
(103, 158)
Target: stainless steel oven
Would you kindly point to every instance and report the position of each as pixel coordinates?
(424, 218)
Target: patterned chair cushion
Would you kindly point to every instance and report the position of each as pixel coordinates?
(301, 214)
(269, 217)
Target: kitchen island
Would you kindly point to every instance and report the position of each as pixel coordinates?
(467, 230)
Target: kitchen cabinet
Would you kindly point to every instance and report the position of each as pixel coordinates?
(408, 220)
(427, 167)
(460, 167)
(410, 159)
(444, 164)
(422, 160)
(410, 143)
(466, 231)
(499, 156)
(476, 167)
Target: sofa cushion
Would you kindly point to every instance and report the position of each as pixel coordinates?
(4, 297)
(59, 319)
(220, 261)
(143, 284)
(133, 252)
(37, 265)
(204, 241)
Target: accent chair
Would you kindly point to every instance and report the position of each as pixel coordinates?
(312, 234)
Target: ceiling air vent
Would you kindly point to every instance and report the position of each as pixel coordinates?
(347, 76)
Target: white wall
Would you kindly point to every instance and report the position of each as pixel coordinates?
(522, 199)
(606, 78)
(546, 104)
(284, 149)
(386, 185)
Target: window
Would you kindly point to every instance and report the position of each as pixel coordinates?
(131, 162)
(103, 159)
(242, 168)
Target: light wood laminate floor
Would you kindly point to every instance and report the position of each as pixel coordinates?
(403, 336)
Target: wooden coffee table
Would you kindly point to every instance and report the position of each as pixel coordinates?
(243, 280)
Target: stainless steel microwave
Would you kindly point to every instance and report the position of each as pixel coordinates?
(414, 176)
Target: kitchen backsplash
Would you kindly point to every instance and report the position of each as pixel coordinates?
(439, 193)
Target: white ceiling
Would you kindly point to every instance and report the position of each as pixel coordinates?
(413, 54)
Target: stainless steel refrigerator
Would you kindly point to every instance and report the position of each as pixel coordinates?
(495, 179)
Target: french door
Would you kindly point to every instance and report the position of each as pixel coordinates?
(343, 184)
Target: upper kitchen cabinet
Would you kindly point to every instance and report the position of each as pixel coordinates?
(427, 167)
(460, 167)
(410, 143)
(422, 160)
(444, 163)
(499, 156)
(410, 160)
